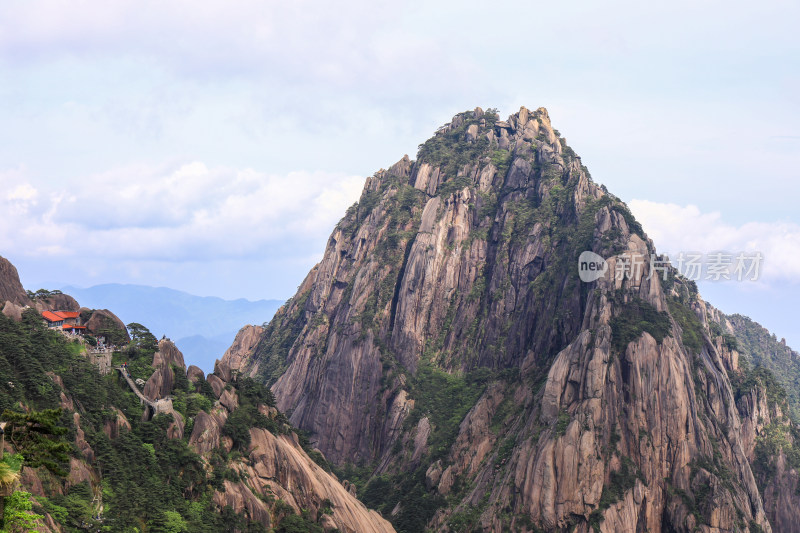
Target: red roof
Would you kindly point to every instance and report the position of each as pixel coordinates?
(52, 317)
(69, 326)
(68, 314)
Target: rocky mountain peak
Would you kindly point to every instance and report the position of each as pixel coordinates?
(447, 344)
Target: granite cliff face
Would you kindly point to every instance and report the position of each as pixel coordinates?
(274, 467)
(244, 343)
(11, 289)
(446, 346)
(771, 439)
(13, 297)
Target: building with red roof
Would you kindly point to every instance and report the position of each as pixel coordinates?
(69, 321)
(54, 320)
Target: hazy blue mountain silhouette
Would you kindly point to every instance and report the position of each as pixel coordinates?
(202, 326)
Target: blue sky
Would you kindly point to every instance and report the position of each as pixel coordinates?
(211, 146)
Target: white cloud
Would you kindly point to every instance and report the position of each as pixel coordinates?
(185, 212)
(23, 193)
(342, 44)
(676, 228)
(686, 92)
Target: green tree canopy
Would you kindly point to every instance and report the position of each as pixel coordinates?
(141, 337)
(17, 516)
(37, 436)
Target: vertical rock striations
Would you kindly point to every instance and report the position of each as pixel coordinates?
(273, 466)
(11, 289)
(446, 344)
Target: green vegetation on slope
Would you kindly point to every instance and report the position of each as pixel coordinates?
(634, 318)
(278, 338)
(445, 399)
(449, 151)
(36, 435)
(764, 349)
(780, 436)
(691, 328)
(148, 481)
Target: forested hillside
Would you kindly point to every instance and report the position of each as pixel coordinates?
(94, 458)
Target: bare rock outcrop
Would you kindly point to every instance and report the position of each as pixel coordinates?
(769, 440)
(216, 383)
(168, 354)
(102, 320)
(279, 465)
(167, 360)
(223, 370)
(242, 500)
(57, 302)
(30, 480)
(160, 383)
(205, 432)
(80, 439)
(276, 466)
(12, 310)
(11, 290)
(239, 352)
(781, 495)
(113, 427)
(195, 374)
(79, 472)
(229, 400)
(175, 429)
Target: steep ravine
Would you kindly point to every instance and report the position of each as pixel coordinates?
(446, 356)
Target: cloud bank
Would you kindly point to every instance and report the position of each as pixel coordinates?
(187, 212)
(676, 228)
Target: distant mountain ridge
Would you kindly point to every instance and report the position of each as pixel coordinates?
(203, 325)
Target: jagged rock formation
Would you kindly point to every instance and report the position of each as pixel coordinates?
(771, 441)
(102, 322)
(12, 310)
(162, 381)
(280, 462)
(246, 339)
(195, 374)
(11, 289)
(13, 298)
(446, 344)
(277, 465)
(57, 302)
(764, 377)
(168, 354)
